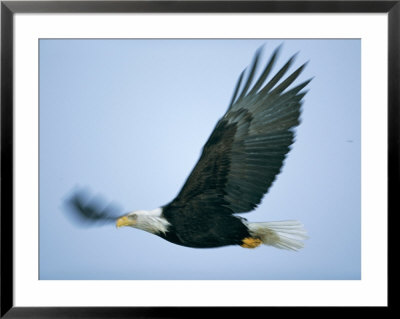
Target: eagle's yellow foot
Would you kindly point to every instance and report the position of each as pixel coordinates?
(251, 242)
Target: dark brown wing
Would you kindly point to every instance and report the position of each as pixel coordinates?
(247, 147)
(86, 210)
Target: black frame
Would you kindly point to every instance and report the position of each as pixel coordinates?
(8, 8)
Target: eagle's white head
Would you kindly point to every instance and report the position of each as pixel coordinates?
(151, 221)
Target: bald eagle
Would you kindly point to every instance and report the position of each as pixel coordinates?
(238, 164)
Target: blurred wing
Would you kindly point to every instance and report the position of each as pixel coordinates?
(247, 147)
(86, 211)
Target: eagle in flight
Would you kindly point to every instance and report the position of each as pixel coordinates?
(238, 164)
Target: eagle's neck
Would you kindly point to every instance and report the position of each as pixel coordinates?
(151, 221)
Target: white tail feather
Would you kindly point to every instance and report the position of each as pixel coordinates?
(288, 234)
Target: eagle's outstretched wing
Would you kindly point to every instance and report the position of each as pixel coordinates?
(248, 145)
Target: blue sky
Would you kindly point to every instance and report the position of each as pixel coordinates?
(127, 119)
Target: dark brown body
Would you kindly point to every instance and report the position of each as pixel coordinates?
(200, 229)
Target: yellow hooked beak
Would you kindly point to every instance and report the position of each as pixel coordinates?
(125, 221)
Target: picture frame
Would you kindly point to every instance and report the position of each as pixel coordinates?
(9, 8)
